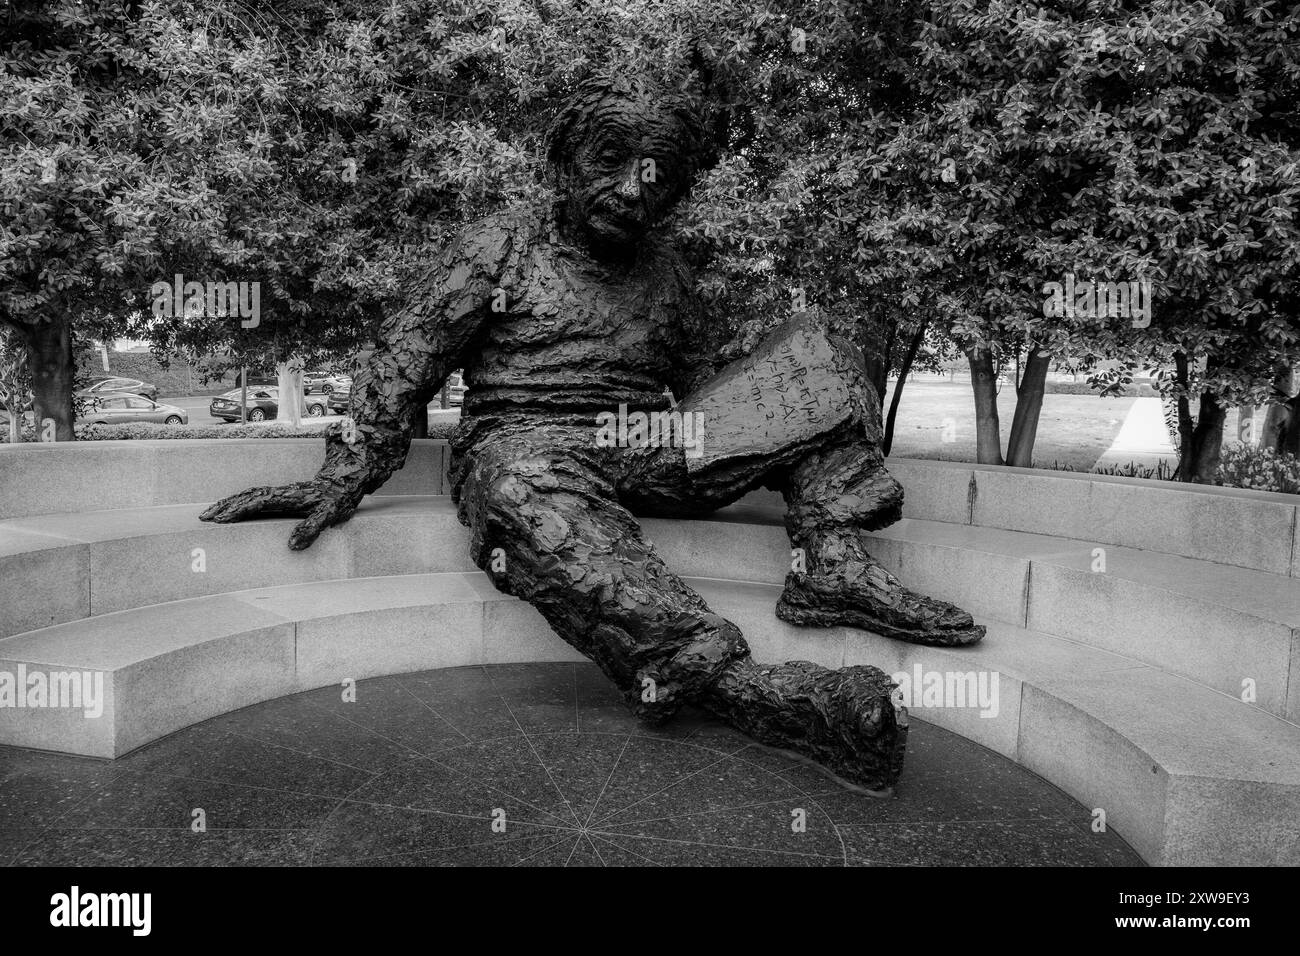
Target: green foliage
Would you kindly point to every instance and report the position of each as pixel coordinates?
(323, 152)
(102, 179)
(1141, 389)
(1161, 472)
(15, 377)
(150, 430)
(1261, 469)
(1242, 466)
(173, 379)
(908, 161)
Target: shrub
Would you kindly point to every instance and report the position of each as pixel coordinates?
(1138, 389)
(178, 378)
(26, 430)
(1162, 471)
(233, 430)
(132, 430)
(137, 430)
(1260, 469)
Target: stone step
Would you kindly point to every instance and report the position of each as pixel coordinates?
(1186, 774)
(1233, 629)
(1227, 526)
(45, 477)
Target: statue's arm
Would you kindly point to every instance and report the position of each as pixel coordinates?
(416, 349)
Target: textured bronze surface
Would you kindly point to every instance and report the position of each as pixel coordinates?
(563, 315)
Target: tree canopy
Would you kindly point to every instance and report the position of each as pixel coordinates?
(919, 169)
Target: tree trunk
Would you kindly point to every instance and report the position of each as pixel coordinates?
(1289, 440)
(289, 378)
(874, 337)
(1282, 427)
(912, 348)
(984, 384)
(1186, 427)
(49, 359)
(1200, 445)
(881, 370)
(1029, 406)
(1207, 441)
(1281, 430)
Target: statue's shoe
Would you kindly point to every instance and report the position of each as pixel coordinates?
(843, 720)
(866, 596)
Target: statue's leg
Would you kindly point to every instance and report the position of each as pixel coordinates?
(799, 415)
(545, 500)
(831, 496)
(541, 496)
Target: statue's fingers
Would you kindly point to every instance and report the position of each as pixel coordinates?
(286, 499)
(234, 507)
(309, 529)
(223, 509)
(330, 512)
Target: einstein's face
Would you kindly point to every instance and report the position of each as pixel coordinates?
(626, 172)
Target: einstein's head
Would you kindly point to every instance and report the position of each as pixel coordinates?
(623, 152)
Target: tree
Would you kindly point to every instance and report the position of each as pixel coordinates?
(919, 170)
(15, 382)
(96, 181)
(995, 148)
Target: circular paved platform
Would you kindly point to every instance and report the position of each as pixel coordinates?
(528, 765)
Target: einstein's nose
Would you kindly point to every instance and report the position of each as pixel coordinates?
(630, 187)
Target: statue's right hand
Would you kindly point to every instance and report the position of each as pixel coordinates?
(324, 503)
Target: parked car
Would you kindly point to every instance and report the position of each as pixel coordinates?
(339, 398)
(322, 383)
(456, 389)
(116, 408)
(313, 383)
(132, 385)
(263, 404)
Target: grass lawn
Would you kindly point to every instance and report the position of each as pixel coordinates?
(1073, 430)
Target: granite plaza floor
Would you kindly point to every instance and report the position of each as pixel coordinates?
(518, 765)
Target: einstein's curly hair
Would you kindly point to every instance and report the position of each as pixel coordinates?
(697, 149)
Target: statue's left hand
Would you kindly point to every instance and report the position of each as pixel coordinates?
(328, 499)
(322, 503)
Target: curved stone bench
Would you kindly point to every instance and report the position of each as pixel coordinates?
(1122, 686)
(1246, 529)
(1229, 628)
(1107, 729)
